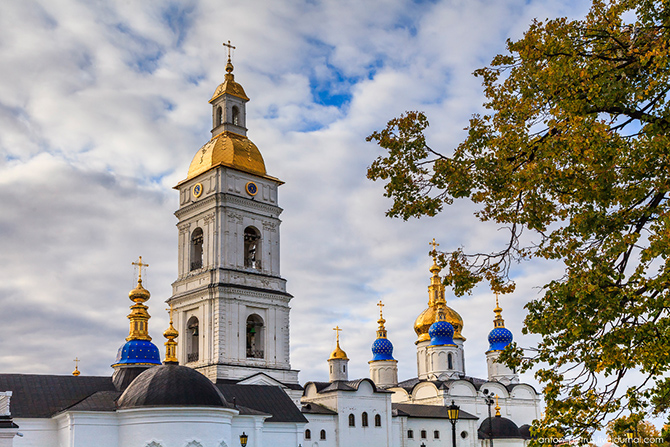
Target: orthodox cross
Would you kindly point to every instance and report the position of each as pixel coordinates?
(76, 363)
(230, 47)
(434, 244)
(169, 309)
(140, 264)
(380, 305)
(337, 331)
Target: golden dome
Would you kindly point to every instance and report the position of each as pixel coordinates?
(228, 149)
(338, 353)
(229, 86)
(436, 297)
(429, 316)
(139, 294)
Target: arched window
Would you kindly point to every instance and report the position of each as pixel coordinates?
(378, 420)
(192, 340)
(252, 248)
(423, 434)
(308, 434)
(196, 249)
(364, 419)
(322, 436)
(255, 337)
(450, 361)
(219, 116)
(410, 434)
(236, 116)
(436, 434)
(352, 420)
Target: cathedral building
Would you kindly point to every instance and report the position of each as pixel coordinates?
(226, 378)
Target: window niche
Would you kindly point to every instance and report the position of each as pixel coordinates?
(197, 240)
(255, 334)
(219, 116)
(252, 248)
(236, 116)
(192, 340)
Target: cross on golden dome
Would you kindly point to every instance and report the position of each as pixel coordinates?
(337, 331)
(230, 47)
(434, 244)
(140, 264)
(76, 367)
(380, 305)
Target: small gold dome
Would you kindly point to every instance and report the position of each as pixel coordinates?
(139, 294)
(229, 86)
(338, 353)
(228, 149)
(429, 316)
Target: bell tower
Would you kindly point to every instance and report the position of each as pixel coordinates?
(230, 302)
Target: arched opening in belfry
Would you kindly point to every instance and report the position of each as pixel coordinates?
(219, 116)
(196, 249)
(255, 333)
(252, 245)
(192, 340)
(236, 116)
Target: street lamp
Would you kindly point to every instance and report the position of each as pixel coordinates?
(452, 412)
(488, 399)
(629, 437)
(243, 439)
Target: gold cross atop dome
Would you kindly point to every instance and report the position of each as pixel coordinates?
(140, 264)
(230, 47)
(434, 244)
(337, 331)
(381, 332)
(76, 371)
(380, 305)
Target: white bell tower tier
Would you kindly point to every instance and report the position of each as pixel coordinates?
(230, 302)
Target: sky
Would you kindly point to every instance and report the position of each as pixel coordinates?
(103, 104)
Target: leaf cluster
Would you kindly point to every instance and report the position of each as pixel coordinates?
(574, 149)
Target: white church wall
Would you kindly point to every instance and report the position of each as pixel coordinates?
(317, 423)
(283, 434)
(84, 429)
(175, 426)
(42, 432)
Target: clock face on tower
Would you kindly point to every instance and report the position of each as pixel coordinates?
(251, 188)
(197, 190)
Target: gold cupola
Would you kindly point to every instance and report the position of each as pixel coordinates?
(139, 317)
(170, 345)
(338, 353)
(436, 299)
(229, 145)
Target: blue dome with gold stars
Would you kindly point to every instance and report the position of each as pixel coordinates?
(138, 352)
(382, 349)
(499, 338)
(441, 333)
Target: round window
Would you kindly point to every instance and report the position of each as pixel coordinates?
(464, 434)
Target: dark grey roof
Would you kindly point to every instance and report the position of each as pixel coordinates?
(291, 386)
(98, 401)
(344, 385)
(311, 408)
(41, 396)
(7, 422)
(500, 428)
(427, 411)
(267, 399)
(171, 385)
(409, 384)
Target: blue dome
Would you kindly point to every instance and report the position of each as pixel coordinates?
(499, 338)
(136, 352)
(382, 349)
(441, 333)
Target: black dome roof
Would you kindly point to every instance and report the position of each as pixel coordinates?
(501, 428)
(171, 385)
(524, 431)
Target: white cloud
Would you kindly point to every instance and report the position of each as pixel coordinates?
(103, 105)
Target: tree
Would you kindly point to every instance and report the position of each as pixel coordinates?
(642, 432)
(574, 151)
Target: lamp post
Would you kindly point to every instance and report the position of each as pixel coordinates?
(452, 412)
(243, 439)
(629, 437)
(488, 398)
